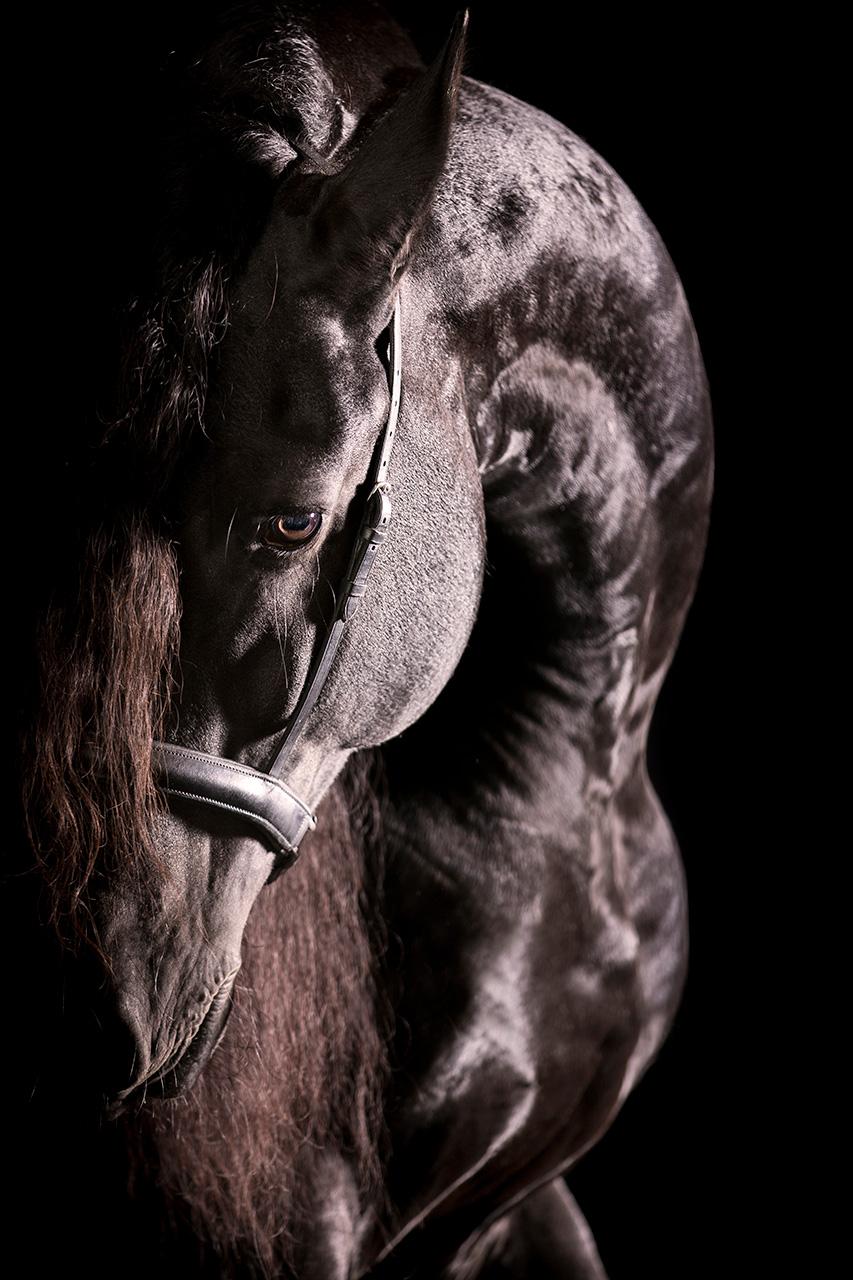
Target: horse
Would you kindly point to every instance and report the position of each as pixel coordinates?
(335, 778)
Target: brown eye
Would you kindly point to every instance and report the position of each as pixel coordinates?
(291, 530)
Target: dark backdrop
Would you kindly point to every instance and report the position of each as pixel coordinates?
(669, 103)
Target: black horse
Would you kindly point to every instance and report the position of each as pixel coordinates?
(445, 1000)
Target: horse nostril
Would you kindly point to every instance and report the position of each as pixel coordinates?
(132, 1073)
(124, 1056)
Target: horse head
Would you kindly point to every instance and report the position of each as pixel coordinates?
(264, 511)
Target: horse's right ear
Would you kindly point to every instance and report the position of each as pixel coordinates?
(369, 214)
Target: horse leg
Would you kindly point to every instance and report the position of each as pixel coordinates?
(546, 1237)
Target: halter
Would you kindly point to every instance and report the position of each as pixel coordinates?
(278, 817)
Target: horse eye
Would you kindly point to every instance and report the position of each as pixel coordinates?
(291, 530)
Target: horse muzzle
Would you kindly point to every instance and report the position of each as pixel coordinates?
(188, 1058)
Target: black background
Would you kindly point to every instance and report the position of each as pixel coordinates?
(680, 106)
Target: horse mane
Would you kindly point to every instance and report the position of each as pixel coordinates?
(250, 98)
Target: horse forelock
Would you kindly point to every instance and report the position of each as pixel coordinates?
(288, 83)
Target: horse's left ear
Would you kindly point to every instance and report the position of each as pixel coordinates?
(369, 213)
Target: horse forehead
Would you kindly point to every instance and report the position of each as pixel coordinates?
(318, 398)
(321, 332)
(305, 337)
(266, 457)
(273, 292)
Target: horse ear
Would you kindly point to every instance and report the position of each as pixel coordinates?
(368, 215)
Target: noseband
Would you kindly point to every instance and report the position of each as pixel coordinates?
(277, 816)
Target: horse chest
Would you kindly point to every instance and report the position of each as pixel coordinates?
(520, 1025)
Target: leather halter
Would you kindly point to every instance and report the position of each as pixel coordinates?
(277, 816)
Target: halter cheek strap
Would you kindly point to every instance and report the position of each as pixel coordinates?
(275, 814)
